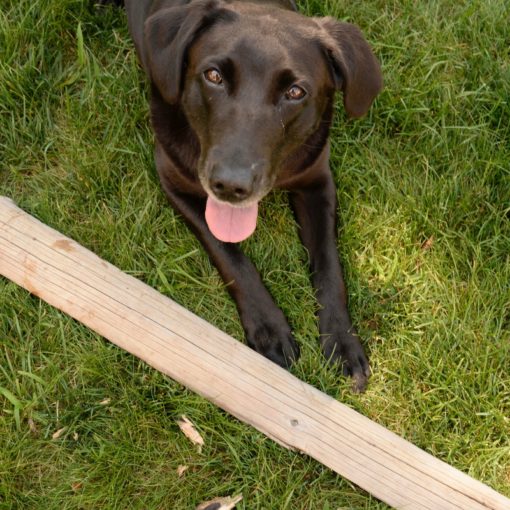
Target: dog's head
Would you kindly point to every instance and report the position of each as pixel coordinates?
(256, 85)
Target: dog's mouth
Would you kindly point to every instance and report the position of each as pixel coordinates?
(231, 209)
(231, 223)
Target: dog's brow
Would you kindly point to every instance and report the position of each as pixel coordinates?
(228, 71)
(285, 79)
(282, 80)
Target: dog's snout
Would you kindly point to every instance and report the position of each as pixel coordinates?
(232, 185)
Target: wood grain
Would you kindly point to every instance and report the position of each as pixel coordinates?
(178, 343)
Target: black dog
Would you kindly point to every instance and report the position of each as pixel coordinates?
(242, 100)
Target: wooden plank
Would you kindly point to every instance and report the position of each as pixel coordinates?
(178, 343)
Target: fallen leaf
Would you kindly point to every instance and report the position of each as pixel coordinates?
(190, 432)
(220, 503)
(31, 426)
(427, 245)
(373, 324)
(181, 470)
(58, 433)
(76, 486)
(75, 436)
(105, 401)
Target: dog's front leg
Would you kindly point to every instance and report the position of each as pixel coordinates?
(265, 326)
(315, 209)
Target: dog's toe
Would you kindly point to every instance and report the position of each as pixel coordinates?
(346, 352)
(283, 353)
(275, 343)
(359, 383)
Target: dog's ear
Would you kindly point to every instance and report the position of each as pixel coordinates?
(169, 33)
(354, 68)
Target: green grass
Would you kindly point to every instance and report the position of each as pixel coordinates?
(430, 162)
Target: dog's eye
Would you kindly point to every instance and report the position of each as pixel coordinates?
(295, 93)
(213, 75)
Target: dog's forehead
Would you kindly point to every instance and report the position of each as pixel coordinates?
(262, 37)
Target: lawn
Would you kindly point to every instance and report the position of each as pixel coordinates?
(424, 192)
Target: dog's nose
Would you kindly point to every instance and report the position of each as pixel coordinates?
(231, 185)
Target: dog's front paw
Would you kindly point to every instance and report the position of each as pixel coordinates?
(274, 341)
(344, 348)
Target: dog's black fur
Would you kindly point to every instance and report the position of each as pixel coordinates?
(252, 131)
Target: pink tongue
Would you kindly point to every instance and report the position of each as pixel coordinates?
(230, 224)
